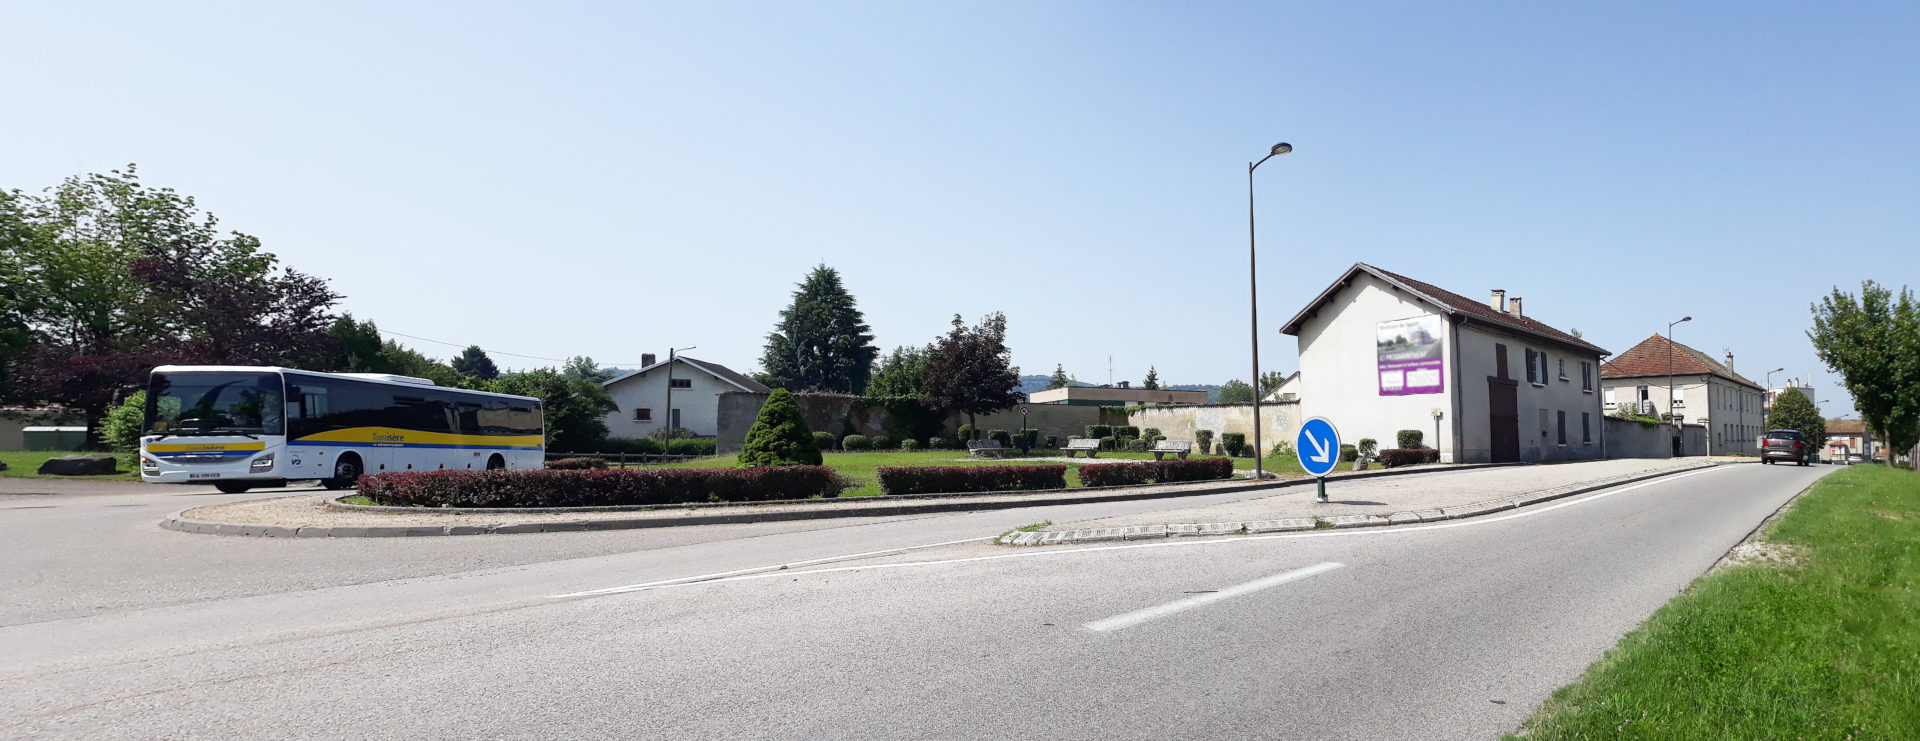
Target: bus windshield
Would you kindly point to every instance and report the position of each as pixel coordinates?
(215, 403)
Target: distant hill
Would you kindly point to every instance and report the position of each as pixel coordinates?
(1213, 391)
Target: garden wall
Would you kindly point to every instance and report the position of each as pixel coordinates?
(1629, 439)
(1279, 421)
(845, 415)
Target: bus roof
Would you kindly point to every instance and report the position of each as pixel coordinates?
(362, 377)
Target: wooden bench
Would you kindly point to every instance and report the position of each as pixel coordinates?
(1091, 445)
(1177, 447)
(989, 447)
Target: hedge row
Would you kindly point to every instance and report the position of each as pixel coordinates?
(1156, 472)
(1407, 456)
(600, 488)
(577, 464)
(942, 479)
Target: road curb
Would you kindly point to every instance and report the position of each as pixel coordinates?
(1459, 512)
(178, 521)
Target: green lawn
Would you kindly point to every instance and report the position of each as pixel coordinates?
(1825, 647)
(865, 467)
(24, 464)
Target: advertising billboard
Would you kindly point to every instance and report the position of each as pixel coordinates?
(1409, 357)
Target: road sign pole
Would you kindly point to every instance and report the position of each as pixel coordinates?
(1318, 447)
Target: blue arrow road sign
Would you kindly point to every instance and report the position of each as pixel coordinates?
(1318, 446)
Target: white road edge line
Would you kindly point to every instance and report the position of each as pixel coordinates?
(1128, 620)
(774, 567)
(1194, 543)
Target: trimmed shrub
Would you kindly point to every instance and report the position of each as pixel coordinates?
(1000, 436)
(779, 436)
(823, 441)
(1138, 446)
(1161, 472)
(1130, 432)
(1349, 454)
(600, 488)
(944, 479)
(936, 443)
(1032, 436)
(1409, 439)
(1106, 443)
(909, 444)
(1368, 447)
(1151, 433)
(885, 442)
(1408, 456)
(1235, 443)
(1053, 441)
(577, 464)
(856, 442)
(705, 446)
(1203, 441)
(1099, 431)
(625, 445)
(966, 433)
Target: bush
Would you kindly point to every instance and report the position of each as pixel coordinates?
(883, 442)
(1053, 441)
(779, 437)
(1160, 472)
(705, 446)
(856, 442)
(1099, 431)
(1000, 436)
(1203, 441)
(1032, 436)
(1280, 449)
(936, 443)
(1129, 432)
(823, 441)
(944, 479)
(1409, 439)
(1368, 447)
(577, 464)
(966, 433)
(1151, 433)
(1138, 446)
(1408, 456)
(600, 488)
(631, 446)
(1235, 443)
(670, 433)
(909, 444)
(121, 429)
(1106, 443)
(1349, 454)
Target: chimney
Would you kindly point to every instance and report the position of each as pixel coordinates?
(1729, 361)
(1125, 384)
(646, 360)
(1499, 302)
(1516, 308)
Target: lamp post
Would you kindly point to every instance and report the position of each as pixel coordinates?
(1253, 301)
(1768, 406)
(1670, 352)
(667, 441)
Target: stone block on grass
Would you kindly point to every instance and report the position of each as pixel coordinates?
(80, 465)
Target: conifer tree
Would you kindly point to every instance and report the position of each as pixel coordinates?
(822, 342)
(779, 436)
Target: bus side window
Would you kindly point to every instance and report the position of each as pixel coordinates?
(468, 418)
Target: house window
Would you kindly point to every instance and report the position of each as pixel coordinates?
(1536, 366)
(681, 383)
(675, 416)
(643, 415)
(1562, 417)
(1563, 369)
(1607, 394)
(1679, 397)
(1586, 376)
(1642, 390)
(1586, 428)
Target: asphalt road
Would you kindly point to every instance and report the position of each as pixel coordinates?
(1452, 630)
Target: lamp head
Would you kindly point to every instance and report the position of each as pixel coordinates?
(1280, 149)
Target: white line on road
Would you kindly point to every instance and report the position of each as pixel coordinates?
(773, 567)
(746, 575)
(1137, 617)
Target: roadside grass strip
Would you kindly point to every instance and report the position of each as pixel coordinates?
(25, 464)
(1818, 637)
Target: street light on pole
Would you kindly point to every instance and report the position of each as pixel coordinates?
(667, 442)
(1768, 406)
(1253, 299)
(1670, 352)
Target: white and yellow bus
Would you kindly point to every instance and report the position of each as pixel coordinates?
(241, 427)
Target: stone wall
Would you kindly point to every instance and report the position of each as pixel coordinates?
(1059, 420)
(1279, 421)
(1629, 439)
(850, 415)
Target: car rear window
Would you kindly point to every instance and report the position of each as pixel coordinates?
(1783, 435)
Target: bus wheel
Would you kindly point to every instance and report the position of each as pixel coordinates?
(346, 470)
(496, 462)
(232, 487)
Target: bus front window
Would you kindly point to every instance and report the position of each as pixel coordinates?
(215, 403)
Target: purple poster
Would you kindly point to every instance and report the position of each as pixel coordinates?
(1410, 356)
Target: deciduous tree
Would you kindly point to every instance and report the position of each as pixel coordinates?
(1873, 342)
(1235, 391)
(574, 408)
(822, 342)
(900, 373)
(971, 370)
(1792, 410)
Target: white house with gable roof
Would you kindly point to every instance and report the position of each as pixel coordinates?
(697, 385)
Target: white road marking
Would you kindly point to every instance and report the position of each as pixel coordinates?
(1137, 617)
(1046, 552)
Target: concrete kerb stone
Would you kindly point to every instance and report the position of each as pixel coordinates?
(1138, 532)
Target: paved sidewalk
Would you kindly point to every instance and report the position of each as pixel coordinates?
(1366, 502)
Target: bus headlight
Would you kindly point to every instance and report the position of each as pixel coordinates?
(262, 463)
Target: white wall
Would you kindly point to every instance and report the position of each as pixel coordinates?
(699, 405)
(1338, 354)
(1731, 412)
(1538, 442)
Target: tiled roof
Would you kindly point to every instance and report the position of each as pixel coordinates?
(717, 370)
(1659, 356)
(1846, 427)
(1450, 302)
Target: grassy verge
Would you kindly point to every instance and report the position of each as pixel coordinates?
(1822, 641)
(24, 464)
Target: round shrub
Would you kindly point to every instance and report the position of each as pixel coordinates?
(935, 443)
(1235, 443)
(1349, 454)
(1150, 433)
(823, 441)
(968, 433)
(1367, 447)
(856, 442)
(909, 444)
(1410, 439)
(1000, 436)
(779, 436)
(1053, 442)
(1203, 439)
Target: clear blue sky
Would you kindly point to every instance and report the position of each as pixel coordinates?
(606, 179)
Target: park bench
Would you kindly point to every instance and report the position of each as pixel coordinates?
(989, 447)
(1177, 447)
(1091, 445)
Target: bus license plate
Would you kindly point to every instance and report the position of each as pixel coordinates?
(203, 476)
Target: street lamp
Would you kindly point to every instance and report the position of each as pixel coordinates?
(1253, 299)
(667, 440)
(1670, 353)
(1768, 406)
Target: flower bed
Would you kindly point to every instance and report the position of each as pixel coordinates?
(943, 479)
(1156, 472)
(600, 487)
